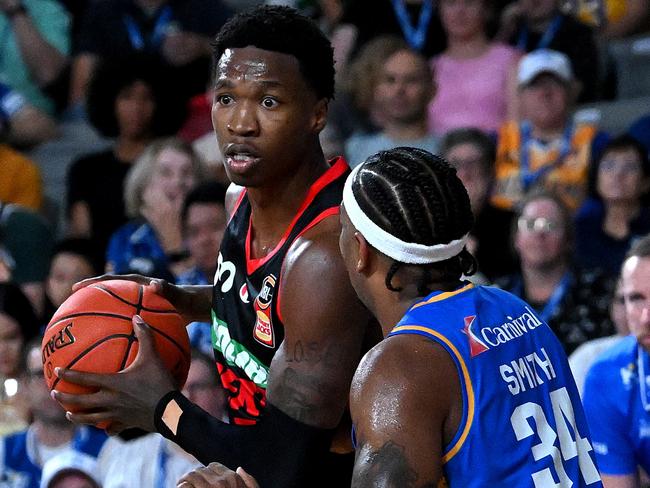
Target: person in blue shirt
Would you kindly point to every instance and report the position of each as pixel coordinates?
(470, 387)
(616, 396)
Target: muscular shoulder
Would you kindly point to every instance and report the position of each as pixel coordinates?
(406, 370)
(232, 195)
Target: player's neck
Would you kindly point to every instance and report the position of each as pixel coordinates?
(275, 206)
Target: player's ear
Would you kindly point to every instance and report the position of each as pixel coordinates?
(363, 259)
(320, 115)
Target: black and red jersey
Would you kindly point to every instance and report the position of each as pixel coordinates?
(247, 326)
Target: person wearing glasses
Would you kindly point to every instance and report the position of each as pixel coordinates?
(573, 301)
(617, 212)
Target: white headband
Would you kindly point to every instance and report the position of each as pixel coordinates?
(391, 246)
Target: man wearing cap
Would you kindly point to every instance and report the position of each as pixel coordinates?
(616, 393)
(547, 148)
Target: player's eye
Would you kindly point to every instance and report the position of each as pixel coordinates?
(269, 102)
(223, 99)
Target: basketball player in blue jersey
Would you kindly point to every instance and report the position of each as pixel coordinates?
(470, 387)
(287, 326)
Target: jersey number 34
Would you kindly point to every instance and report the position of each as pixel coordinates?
(570, 445)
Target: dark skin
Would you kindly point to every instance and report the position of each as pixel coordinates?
(267, 120)
(405, 399)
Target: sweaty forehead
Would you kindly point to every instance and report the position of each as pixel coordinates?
(251, 64)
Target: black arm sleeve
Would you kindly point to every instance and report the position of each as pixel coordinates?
(278, 451)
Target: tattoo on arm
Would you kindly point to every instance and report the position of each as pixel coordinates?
(387, 467)
(298, 396)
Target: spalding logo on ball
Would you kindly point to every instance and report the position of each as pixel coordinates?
(92, 332)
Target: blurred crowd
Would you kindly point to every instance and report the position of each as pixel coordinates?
(108, 163)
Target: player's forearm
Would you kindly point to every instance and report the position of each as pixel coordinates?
(278, 451)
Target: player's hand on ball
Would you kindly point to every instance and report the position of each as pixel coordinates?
(216, 475)
(180, 299)
(126, 399)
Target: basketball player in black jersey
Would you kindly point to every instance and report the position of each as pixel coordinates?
(287, 326)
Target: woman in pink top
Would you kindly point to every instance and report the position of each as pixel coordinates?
(475, 77)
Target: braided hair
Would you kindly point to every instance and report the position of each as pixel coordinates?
(417, 197)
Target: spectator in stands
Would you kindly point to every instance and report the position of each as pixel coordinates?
(18, 325)
(572, 301)
(617, 213)
(531, 25)
(616, 389)
(20, 179)
(73, 260)
(125, 101)
(21, 123)
(613, 18)
(34, 48)
(28, 239)
(416, 21)
(151, 242)
(403, 91)
(584, 356)
(472, 153)
(546, 149)
(203, 221)
(70, 470)
(354, 110)
(475, 77)
(50, 433)
(151, 460)
(178, 33)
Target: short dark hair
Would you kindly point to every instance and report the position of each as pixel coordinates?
(284, 30)
(477, 138)
(210, 192)
(640, 248)
(619, 143)
(81, 247)
(417, 197)
(111, 77)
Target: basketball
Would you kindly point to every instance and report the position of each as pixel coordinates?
(92, 332)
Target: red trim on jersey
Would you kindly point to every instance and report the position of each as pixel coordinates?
(237, 204)
(321, 216)
(336, 170)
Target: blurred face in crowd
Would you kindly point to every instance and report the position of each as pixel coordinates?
(204, 227)
(404, 88)
(11, 344)
(203, 388)
(173, 174)
(471, 169)
(463, 19)
(66, 269)
(545, 101)
(41, 404)
(134, 109)
(538, 10)
(540, 238)
(636, 289)
(620, 176)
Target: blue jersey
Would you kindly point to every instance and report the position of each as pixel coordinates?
(618, 408)
(19, 463)
(523, 423)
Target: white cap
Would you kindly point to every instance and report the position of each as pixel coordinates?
(69, 462)
(541, 61)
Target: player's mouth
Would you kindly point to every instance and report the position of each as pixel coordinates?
(239, 158)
